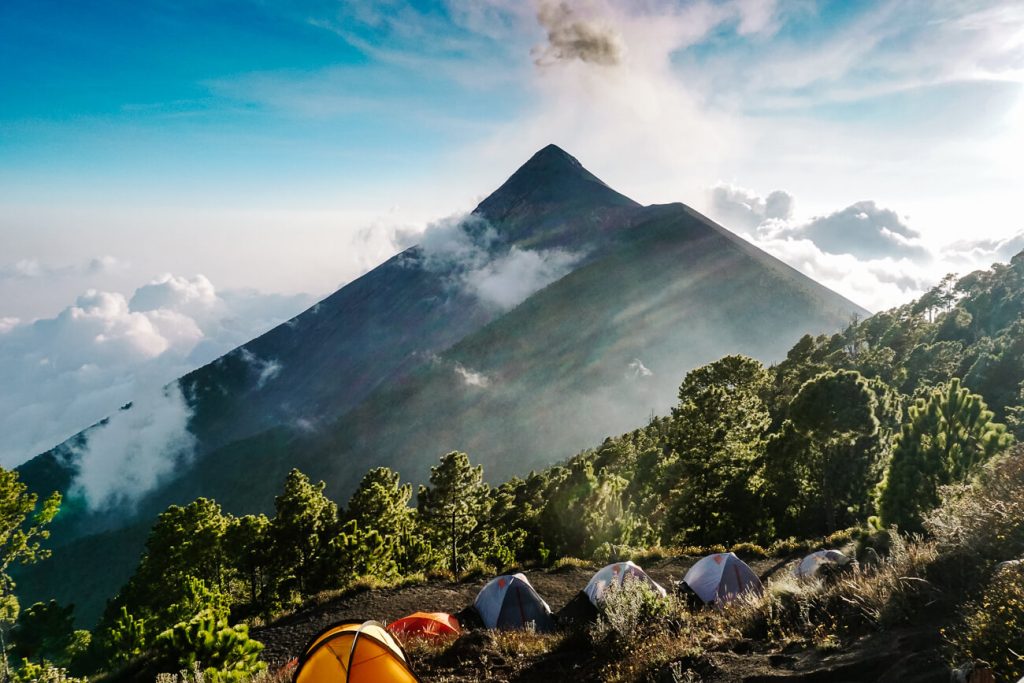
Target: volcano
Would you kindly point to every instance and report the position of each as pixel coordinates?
(555, 314)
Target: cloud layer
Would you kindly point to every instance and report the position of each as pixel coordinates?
(65, 373)
(866, 252)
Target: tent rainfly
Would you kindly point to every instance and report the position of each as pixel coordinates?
(810, 565)
(722, 577)
(510, 602)
(433, 626)
(617, 574)
(351, 652)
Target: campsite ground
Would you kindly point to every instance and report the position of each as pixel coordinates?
(908, 655)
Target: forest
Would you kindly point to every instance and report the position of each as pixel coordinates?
(852, 435)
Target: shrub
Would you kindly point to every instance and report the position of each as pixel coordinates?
(227, 651)
(41, 673)
(789, 546)
(992, 628)
(629, 612)
(570, 562)
(748, 550)
(841, 537)
(984, 518)
(649, 555)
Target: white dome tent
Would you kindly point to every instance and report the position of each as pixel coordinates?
(809, 567)
(722, 577)
(616, 574)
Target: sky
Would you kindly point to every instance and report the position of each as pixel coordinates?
(176, 176)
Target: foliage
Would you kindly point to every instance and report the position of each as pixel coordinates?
(126, 638)
(628, 612)
(44, 672)
(946, 437)
(719, 430)
(44, 631)
(226, 652)
(992, 628)
(22, 528)
(455, 503)
(302, 530)
(983, 519)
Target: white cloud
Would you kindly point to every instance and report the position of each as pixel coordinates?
(983, 251)
(865, 252)
(33, 268)
(511, 278)
(471, 253)
(472, 378)
(135, 449)
(266, 369)
(65, 373)
(637, 369)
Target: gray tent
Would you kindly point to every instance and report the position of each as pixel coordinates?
(510, 602)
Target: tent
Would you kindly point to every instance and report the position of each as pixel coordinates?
(427, 625)
(616, 574)
(509, 602)
(351, 652)
(810, 565)
(722, 577)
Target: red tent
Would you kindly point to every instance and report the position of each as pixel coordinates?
(429, 625)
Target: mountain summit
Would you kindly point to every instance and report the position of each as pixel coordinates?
(548, 188)
(604, 306)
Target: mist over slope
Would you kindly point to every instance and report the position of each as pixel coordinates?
(558, 312)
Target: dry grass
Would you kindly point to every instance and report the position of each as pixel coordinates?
(524, 643)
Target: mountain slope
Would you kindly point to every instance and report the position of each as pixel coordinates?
(409, 362)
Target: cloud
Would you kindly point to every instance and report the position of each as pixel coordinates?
(570, 37)
(876, 284)
(636, 369)
(864, 252)
(135, 449)
(471, 378)
(984, 251)
(863, 229)
(744, 210)
(473, 256)
(33, 268)
(266, 369)
(66, 373)
(509, 279)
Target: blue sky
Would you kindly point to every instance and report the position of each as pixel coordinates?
(244, 158)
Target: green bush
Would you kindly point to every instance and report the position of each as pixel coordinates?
(992, 628)
(41, 673)
(227, 652)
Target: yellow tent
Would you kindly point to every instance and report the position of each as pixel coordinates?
(354, 653)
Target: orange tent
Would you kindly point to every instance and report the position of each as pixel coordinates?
(354, 653)
(427, 625)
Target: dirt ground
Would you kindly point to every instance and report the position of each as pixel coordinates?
(896, 656)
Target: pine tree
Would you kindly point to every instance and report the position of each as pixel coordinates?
(718, 433)
(838, 413)
(944, 439)
(454, 504)
(302, 530)
(248, 545)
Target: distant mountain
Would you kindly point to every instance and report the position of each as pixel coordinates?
(559, 312)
